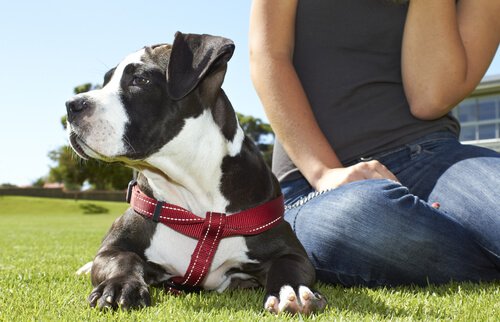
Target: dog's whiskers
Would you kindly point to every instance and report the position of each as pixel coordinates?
(127, 141)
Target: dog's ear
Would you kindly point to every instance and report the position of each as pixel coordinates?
(194, 57)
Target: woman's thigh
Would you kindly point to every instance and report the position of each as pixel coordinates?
(463, 179)
(469, 191)
(374, 232)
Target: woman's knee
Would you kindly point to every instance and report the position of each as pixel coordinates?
(367, 196)
(354, 210)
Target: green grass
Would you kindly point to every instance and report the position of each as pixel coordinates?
(44, 241)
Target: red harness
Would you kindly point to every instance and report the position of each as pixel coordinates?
(208, 231)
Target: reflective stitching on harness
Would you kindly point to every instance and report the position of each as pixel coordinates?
(202, 274)
(145, 211)
(199, 250)
(178, 219)
(266, 225)
(164, 207)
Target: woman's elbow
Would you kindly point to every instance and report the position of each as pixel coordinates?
(429, 108)
(434, 101)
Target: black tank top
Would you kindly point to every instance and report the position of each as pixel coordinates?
(348, 58)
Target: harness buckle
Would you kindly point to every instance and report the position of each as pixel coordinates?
(157, 212)
(131, 185)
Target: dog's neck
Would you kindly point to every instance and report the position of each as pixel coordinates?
(187, 171)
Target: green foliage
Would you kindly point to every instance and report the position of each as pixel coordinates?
(82, 88)
(44, 241)
(85, 88)
(39, 183)
(7, 185)
(68, 169)
(73, 171)
(64, 121)
(261, 133)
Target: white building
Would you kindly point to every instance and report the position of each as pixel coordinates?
(479, 114)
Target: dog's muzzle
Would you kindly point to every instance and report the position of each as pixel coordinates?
(77, 146)
(77, 105)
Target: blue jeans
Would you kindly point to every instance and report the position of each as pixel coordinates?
(378, 232)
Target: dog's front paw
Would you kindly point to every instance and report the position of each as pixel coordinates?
(120, 292)
(302, 300)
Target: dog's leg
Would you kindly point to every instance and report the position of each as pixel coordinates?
(118, 280)
(120, 274)
(288, 287)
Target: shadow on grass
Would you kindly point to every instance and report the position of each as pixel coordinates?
(359, 301)
(401, 302)
(93, 209)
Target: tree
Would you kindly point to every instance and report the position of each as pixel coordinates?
(261, 133)
(7, 186)
(40, 182)
(73, 171)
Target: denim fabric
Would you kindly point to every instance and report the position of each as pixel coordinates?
(378, 232)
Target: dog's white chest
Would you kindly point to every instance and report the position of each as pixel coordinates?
(173, 251)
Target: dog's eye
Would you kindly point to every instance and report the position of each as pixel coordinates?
(138, 81)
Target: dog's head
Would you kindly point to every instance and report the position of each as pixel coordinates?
(146, 98)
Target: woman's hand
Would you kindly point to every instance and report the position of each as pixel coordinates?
(333, 178)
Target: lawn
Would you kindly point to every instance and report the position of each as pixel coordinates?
(44, 241)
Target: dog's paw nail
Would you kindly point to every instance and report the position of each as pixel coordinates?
(109, 299)
(310, 301)
(305, 295)
(271, 304)
(288, 300)
(93, 297)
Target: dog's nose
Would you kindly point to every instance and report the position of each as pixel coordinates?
(76, 105)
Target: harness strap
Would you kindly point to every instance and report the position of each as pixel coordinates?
(203, 254)
(208, 231)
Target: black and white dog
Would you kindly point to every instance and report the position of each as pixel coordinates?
(162, 111)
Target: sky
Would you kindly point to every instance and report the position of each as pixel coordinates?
(49, 47)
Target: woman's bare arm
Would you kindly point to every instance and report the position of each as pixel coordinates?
(447, 48)
(272, 29)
